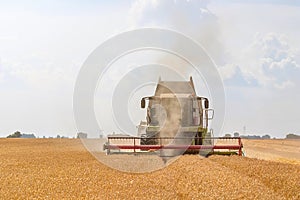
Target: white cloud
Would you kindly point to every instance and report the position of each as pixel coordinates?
(168, 13)
(1, 71)
(284, 85)
(42, 48)
(257, 63)
(270, 104)
(39, 72)
(269, 59)
(228, 71)
(190, 17)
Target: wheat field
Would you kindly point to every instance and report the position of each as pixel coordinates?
(63, 169)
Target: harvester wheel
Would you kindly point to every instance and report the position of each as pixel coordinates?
(198, 139)
(143, 139)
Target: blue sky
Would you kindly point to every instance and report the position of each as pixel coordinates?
(255, 45)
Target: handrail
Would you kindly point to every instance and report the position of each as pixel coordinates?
(136, 137)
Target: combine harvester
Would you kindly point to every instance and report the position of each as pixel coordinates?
(177, 123)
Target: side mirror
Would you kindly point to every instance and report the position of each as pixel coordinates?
(206, 104)
(143, 103)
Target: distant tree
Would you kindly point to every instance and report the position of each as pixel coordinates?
(227, 135)
(24, 135)
(81, 135)
(16, 134)
(250, 136)
(236, 134)
(292, 136)
(58, 136)
(266, 137)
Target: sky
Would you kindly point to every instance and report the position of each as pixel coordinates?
(254, 44)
